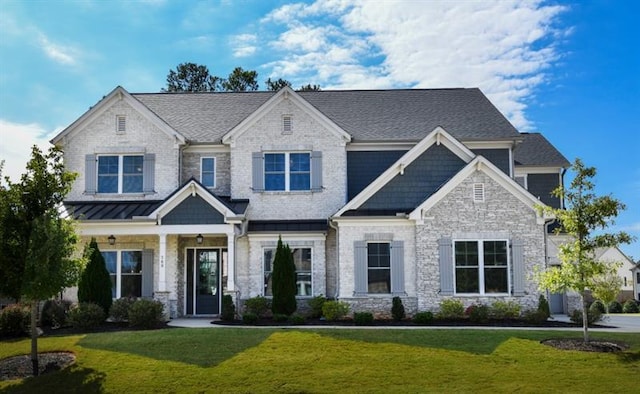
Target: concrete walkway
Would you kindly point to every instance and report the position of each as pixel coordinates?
(617, 322)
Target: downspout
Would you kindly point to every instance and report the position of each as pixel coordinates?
(243, 231)
(333, 226)
(180, 154)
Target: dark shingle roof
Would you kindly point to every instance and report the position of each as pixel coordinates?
(367, 115)
(535, 150)
(287, 225)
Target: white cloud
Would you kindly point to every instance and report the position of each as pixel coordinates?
(244, 45)
(16, 141)
(61, 54)
(503, 47)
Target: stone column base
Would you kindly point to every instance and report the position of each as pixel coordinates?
(163, 297)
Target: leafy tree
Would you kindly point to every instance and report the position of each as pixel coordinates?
(95, 281)
(585, 216)
(309, 88)
(241, 81)
(191, 77)
(36, 244)
(284, 281)
(277, 85)
(606, 286)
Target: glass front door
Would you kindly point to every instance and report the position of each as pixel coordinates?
(203, 281)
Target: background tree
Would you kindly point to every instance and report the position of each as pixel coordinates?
(37, 245)
(277, 85)
(585, 214)
(95, 281)
(309, 88)
(241, 81)
(191, 77)
(606, 286)
(284, 281)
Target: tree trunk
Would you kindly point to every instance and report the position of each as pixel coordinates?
(585, 318)
(34, 337)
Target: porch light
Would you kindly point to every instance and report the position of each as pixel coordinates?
(112, 240)
(199, 239)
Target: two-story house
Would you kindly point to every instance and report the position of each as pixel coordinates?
(422, 194)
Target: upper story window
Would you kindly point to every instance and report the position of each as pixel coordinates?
(120, 174)
(287, 171)
(481, 267)
(208, 171)
(121, 124)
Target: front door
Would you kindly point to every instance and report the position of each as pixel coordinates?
(203, 281)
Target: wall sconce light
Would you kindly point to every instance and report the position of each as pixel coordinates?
(112, 240)
(199, 239)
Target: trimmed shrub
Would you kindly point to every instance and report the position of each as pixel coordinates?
(543, 306)
(54, 313)
(335, 310)
(315, 306)
(280, 317)
(296, 319)
(534, 316)
(592, 316)
(86, 316)
(228, 308)
(630, 306)
(258, 305)
(501, 310)
(615, 307)
(397, 309)
(477, 313)
(120, 309)
(249, 318)
(95, 282)
(146, 314)
(423, 318)
(15, 321)
(597, 305)
(363, 318)
(284, 281)
(451, 309)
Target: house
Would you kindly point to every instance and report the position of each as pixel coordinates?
(630, 284)
(422, 194)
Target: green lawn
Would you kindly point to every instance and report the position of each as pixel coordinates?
(345, 360)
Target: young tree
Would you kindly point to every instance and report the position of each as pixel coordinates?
(284, 281)
(241, 81)
(37, 245)
(192, 77)
(95, 281)
(585, 215)
(606, 286)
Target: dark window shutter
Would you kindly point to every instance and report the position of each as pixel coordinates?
(446, 266)
(257, 167)
(360, 267)
(397, 267)
(90, 182)
(148, 173)
(517, 250)
(147, 273)
(316, 171)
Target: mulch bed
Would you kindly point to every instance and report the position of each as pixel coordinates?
(602, 346)
(19, 367)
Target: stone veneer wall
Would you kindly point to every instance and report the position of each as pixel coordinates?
(191, 169)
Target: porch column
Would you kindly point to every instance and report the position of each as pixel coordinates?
(231, 262)
(162, 272)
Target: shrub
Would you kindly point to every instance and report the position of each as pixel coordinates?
(630, 306)
(86, 316)
(615, 307)
(363, 318)
(423, 318)
(54, 313)
(315, 305)
(279, 317)
(397, 309)
(592, 316)
(451, 309)
(543, 306)
(284, 281)
(534, 316)
(478, 313)
(15, 321)
(296, 319)
(95, 282)
(258, 305)
(228, 308)
(146, 314)
(335, 310)
(504, 310)
(120, 309)
(249, 318)
(597, 305)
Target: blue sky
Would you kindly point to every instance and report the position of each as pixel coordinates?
(570, 70)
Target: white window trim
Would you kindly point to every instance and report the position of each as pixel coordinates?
(120, 172)
(119, 268)
(292, 246)
(385, 241)
(287, 172)
(214, 171)
(480, 245)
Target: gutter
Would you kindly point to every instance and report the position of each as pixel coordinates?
(335, 227)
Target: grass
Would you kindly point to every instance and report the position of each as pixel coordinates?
(291, 360)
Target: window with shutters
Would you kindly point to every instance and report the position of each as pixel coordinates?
(287, 171)
(481, 267)
(208, 171)
(302, 261)
(125, 269)
(121, 124)
(120, 174)
(378, 268)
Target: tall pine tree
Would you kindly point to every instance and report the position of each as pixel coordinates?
(95, 282)
(284, 281)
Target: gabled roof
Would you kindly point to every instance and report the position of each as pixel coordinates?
(535, 151)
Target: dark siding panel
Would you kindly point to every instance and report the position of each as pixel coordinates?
(193, 210)
(147, 273)
(363, 167)
(499, 157)
(541, 186)
(421, 179)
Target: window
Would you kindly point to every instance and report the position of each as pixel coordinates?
(120, 174)
(121, 124)
(481, 267)
(302, 261)
(287, 171)
(125, 269)
(378, 268)
(208, 171)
